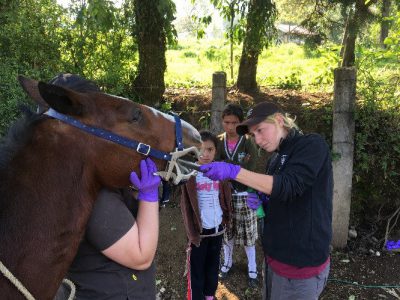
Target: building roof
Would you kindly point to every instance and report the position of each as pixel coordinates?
(294, 29)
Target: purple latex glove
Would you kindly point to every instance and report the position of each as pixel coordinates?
(264, 197)
(220, 170)
(148, 184)
(253, 201)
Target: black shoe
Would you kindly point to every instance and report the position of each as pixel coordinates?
(252, 282)
(223, 275)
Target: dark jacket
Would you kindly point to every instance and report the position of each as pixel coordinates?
(191, 212)
(244, 155)
(298, 222)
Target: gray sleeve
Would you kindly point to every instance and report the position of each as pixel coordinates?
(109, 221)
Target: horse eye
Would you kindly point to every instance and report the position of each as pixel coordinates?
(136, 115)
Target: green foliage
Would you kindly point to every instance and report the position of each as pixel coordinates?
(167, 10)
(211, 53)
(377, 139)
(27, 33)
(393, 40)
(189, 54)
(205, 120)
(29, 45)
(190, 64)
(166, 106)
(291, 82)
(98, 44)
(238, 14)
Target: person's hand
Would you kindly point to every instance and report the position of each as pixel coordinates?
(220, 170)
(148, 184)
(253, 201)
(264, 197)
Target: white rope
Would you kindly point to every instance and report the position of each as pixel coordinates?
(16, 282)
(24, 291)
(72, 287)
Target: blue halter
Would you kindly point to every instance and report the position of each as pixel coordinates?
(115, 138)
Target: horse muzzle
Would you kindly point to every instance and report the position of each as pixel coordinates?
(181, 166)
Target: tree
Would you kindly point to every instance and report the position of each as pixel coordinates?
(358, 16)
(29, 44)
(259, 33)
(152, 30)
(251, 22)
(27, 33)
(385, 24)
(97, 43)
(232, 11)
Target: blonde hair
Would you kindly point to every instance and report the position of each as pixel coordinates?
(288, 121)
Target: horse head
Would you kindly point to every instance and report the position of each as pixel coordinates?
(53, 165)
(125, 118)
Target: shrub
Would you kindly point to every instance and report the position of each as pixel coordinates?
(188, 54)
(376, 174)
(11, 95)
(291, 82)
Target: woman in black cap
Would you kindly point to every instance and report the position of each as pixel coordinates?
(296, 192)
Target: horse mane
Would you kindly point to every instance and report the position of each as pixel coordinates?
(18, 135)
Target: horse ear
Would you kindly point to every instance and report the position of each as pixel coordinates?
(30, 86)
(61, 99)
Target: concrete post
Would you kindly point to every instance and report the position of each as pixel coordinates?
(218, 101)
(343, 151)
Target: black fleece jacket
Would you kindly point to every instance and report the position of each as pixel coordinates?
(298, 222)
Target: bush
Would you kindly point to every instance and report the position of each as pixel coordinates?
(11, 95)
(376, 174)
(292, 82)
(189, 54)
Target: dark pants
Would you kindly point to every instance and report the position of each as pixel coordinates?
(277, 287)
(204, 265)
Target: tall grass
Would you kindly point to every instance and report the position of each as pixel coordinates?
(288, 66)
(192, 62)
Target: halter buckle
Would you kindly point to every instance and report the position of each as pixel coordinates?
(145, 151)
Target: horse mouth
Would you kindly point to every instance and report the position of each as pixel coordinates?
(182, 166)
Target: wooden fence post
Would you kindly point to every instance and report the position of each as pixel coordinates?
(218, 101)
(343, 151)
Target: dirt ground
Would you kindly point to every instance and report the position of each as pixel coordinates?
(369, 270)
(356, 272)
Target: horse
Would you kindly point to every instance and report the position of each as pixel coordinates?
(51, 171)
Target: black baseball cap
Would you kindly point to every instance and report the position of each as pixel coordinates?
(256, 115)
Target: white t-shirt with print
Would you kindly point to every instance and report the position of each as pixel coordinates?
(208, 197)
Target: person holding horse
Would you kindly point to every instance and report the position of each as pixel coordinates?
(207, 210)
(296, 191)
(115, 257)
(241, 150)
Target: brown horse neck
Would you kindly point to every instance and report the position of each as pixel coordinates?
(43, 233)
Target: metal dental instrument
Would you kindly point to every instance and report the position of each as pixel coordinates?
(189, 164)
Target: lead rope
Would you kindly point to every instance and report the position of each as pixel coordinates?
(187, 272)
(24, 291)
(15, 282)
(72, 287)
